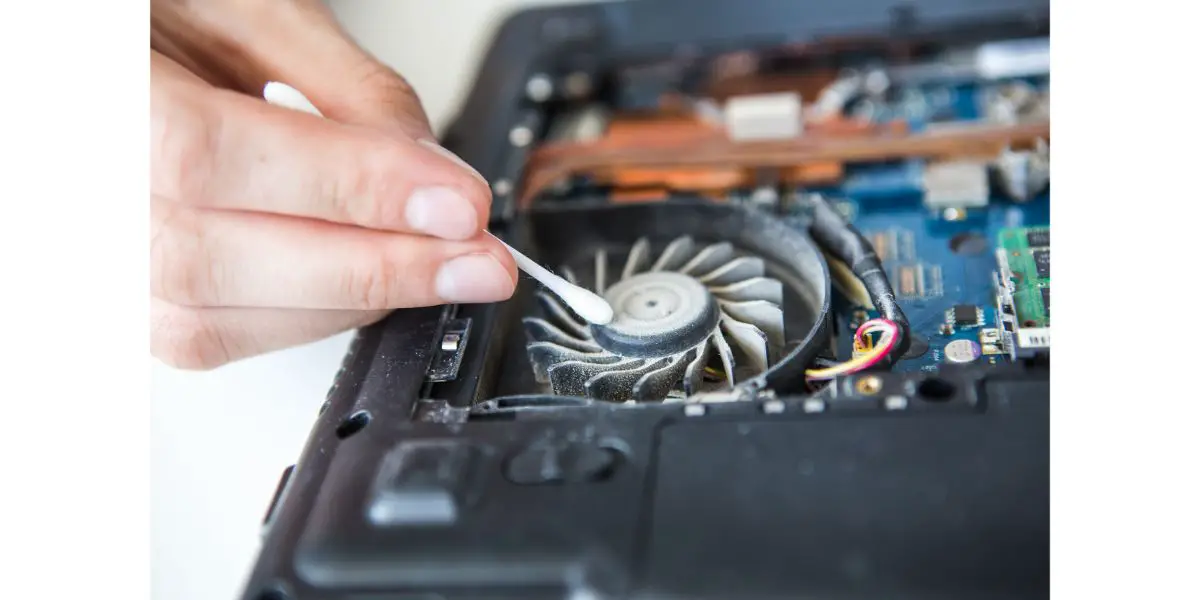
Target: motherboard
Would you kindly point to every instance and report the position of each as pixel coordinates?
(941, 165)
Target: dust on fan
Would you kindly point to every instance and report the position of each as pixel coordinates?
(690, 310)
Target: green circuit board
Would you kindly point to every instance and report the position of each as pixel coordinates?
(1027, 251)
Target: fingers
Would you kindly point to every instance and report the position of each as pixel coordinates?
(218, 149)
(298, 42)
(226, 258)
(206, 338)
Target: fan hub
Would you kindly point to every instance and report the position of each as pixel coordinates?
(658, 313)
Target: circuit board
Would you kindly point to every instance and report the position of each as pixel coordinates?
(936, 265)
(1027, 251)
(945, 103)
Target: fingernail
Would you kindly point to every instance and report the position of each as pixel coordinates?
(442, 212)
(436, 147)
(473, 278)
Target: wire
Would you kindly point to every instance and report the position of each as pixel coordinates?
(842, 240)
(889, 332)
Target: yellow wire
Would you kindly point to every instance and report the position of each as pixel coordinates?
(849, 365)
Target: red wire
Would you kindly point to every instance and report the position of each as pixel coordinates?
(891, 343)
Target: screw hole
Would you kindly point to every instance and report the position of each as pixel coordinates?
(352, 424)
(272, 594)
(936, 390)
(968, 243)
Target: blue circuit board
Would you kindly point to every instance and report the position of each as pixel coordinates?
(936, 103)
(951, 262)
(934, 263)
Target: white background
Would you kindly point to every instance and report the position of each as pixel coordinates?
(220, 439)
(75, 441)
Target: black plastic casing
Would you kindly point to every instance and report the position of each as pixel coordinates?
(902, 487)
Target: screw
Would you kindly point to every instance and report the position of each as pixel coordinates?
(869, 385)
(520, 136)
(539, 87)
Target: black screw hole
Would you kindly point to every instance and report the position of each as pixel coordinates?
(936, 390)
(352, 424)
(968, 243)
(272, 594)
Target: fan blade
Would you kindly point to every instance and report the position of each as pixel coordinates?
(601, 271)
(570, 378)
(617, 386)
(709, 258)
(656, 384)
(758, 288)
(750, 340)
(726, 354)
(544, 355)
(639, 257)
(760, 313)
(676, 254)
(695, 369)
(738, 269)
(562, 316)
(569, 275)
(540, 330)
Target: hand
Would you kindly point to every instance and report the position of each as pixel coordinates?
(271, 227)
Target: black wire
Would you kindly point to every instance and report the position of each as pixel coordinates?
(842, 240)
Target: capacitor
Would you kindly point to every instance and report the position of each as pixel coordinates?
(962, 351)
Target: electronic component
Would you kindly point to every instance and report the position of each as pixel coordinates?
(1021, 175)
(958, 184)
(917, 281)
(961, 351)
(989, 341)
(1023, 289)
(764, 117)
(907, 277)
(1041, 263)
(892, 244)
(1037, 238)
(964, 315)
(884, 243)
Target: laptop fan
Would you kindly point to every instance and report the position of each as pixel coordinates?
(691, 316)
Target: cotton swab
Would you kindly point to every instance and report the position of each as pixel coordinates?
(588, 305)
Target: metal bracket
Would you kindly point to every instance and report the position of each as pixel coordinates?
(449, 353)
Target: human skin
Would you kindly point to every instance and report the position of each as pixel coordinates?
(270, 227)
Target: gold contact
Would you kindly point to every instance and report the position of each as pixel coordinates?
(880, 241)
(907, 277)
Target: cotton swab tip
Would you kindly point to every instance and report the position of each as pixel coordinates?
(284, 95)
(588, 305)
